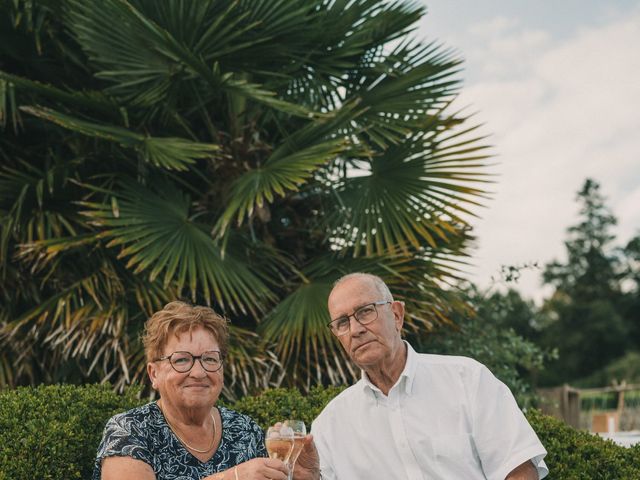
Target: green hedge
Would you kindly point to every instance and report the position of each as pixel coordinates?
(52, 432)
(280, 403)
(574, 454)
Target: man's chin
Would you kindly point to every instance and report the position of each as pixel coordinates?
(363, 352)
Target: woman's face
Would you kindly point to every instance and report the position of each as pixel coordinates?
(196, 388)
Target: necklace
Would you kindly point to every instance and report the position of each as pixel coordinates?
(175, 431)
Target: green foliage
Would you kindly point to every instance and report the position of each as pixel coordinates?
(573, 454)
(277, 404)
(240, 154)
(589, 316)
(53, 432)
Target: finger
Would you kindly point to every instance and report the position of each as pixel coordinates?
(275, 464)
(276, 474)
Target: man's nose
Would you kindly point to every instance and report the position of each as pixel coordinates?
(355, 327)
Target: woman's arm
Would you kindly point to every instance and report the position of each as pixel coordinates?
(126, 468)
(254, 469)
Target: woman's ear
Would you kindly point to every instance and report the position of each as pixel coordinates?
(152, 371)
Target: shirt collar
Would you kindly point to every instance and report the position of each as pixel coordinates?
(407, 376)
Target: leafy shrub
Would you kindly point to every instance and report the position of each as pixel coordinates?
(53, 432)
(574, 454)
(277, 404)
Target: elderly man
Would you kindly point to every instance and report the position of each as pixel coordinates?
(413, 416)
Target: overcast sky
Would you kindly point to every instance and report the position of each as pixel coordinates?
(558, 85)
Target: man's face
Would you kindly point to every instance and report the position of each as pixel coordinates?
(377, 342)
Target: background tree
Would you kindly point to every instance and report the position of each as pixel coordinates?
(586, 321)
(631, 288)
(242, 154)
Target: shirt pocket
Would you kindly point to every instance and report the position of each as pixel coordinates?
(455, 450)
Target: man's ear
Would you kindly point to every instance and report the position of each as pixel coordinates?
(397, 307)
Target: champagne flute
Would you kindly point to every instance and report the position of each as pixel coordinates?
(279, 442)
(299, 431)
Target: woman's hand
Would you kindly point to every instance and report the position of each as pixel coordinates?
(308, 465)
(261, 469)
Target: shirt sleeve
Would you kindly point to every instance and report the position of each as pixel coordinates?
(123, 437)
(502, 435)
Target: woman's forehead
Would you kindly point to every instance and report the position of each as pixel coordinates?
(197, 336)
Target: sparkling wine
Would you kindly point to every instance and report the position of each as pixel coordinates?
(298, 443)
(280, 448)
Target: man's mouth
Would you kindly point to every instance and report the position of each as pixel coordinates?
(360, 346)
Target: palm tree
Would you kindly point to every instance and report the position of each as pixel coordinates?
(239, 153)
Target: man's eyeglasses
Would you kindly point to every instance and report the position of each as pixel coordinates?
(364, 315)
(182, 362)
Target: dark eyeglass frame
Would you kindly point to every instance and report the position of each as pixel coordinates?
(193, 360)
(375, 305)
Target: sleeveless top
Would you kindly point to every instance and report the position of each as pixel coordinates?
(143, 434)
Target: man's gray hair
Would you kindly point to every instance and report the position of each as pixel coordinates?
(382, 288)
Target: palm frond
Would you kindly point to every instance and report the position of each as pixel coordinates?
(416, 191)
(159, 236)
(278, 176)
(298, 328)
(144, 61)
(171, 153)
(8, 104)
(242, 152)
(95, 101)
(249, 367)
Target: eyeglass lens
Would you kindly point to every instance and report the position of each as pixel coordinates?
(183, 361)
(364, 315)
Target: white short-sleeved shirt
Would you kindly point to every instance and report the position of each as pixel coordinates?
(446, 418)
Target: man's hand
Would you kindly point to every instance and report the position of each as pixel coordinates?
(307, 466)
(526, 471)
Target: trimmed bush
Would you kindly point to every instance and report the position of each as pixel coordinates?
(280, 403)
(52, 432)
(574, 454)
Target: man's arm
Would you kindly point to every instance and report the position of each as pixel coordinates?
(526, 471)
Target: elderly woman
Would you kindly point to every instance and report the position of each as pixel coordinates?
(184, 436)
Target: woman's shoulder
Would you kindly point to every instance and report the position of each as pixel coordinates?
(237, 422)
(142, 417)
(232, 416)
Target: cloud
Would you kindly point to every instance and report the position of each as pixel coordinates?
(560, 111)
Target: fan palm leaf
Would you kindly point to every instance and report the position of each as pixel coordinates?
(415, 191)
(158, 235)
(244, 153)
(170, 152)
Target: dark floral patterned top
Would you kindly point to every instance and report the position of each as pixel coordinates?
(142, 433)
